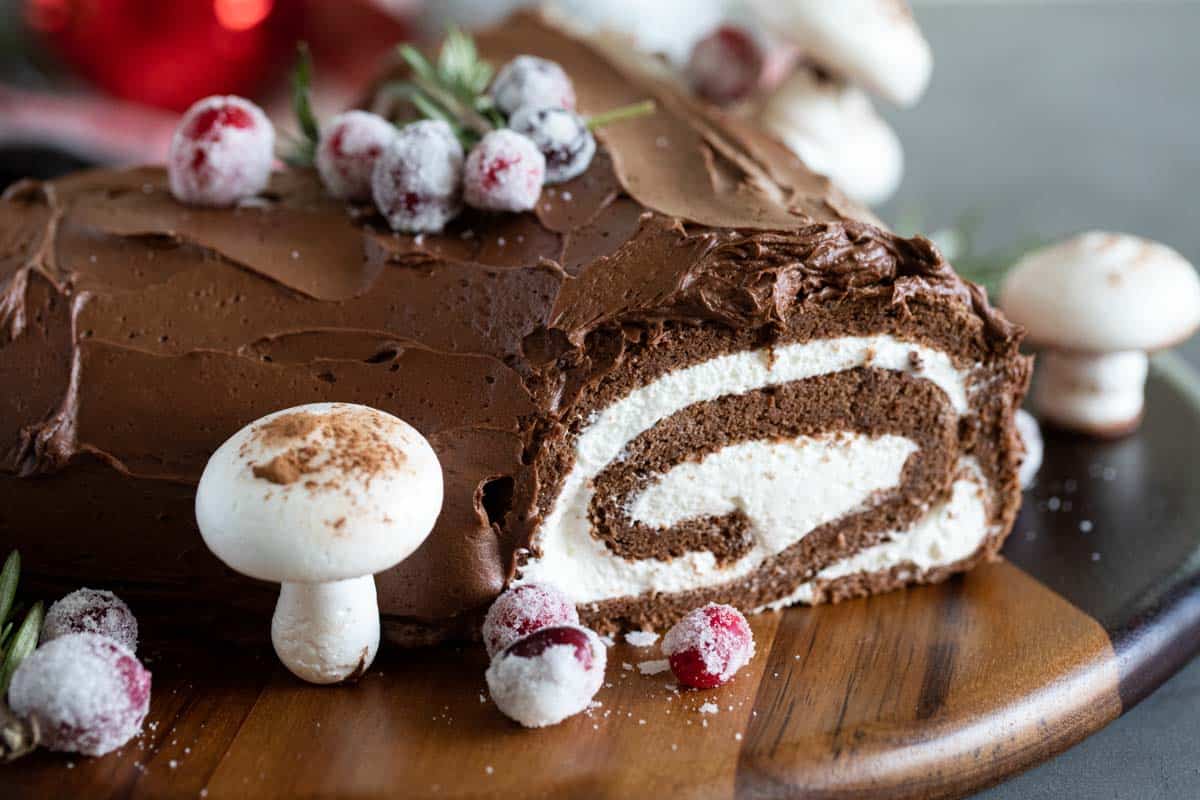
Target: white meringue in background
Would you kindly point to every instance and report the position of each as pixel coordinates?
(836, 131)
(875, 43)
(669, 27)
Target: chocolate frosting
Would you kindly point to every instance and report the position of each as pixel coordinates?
(140, 333)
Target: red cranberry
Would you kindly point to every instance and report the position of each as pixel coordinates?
(561, 135)
(350, 145)
(417, 180)
(504, 172)
(548, 676)
(522, 610)
(87, 693)
(92, 611)
(538, 642)
(221, 152)
(708, 646)
(726, 65)
(532, 81)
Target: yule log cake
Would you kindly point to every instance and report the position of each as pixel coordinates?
(696, 373)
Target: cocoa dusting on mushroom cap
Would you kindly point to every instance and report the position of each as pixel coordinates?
(348, 445)
(286, 427)
(282, 469)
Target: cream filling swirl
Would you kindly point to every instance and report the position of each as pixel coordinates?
(759, 477)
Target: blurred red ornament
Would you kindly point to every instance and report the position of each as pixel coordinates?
(168, 54)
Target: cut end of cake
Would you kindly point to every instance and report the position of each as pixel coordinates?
(840, 464)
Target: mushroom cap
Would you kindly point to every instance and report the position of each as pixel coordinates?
(320, 492)
(835, 131)
(875, 43)
(1103, 292)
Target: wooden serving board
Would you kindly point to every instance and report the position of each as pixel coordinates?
(932, 692)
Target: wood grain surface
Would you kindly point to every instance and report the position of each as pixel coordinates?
(932, 692)
(924, 693)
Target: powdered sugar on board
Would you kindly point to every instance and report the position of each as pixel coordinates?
(641, 638)
(655, 667)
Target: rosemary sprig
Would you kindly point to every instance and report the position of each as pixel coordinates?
(8, 593)
(303, 147)
(454, 89)
(631, 111)
(17, 736)
(24, 641)
(459, 66)
(16, 641)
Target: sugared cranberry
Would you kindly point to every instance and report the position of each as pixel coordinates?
(221, 152)
(548, 676)
(708, 646)
(92, 611)
(532, 81)
(726, 65)
(86, 693)
(522, 610)
(504, 172)
(417, 182)
(561, 135)
(350, 145)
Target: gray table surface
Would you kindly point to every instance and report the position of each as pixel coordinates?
(1047, 119)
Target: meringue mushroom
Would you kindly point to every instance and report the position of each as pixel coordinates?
(875, 43)
(1095, 305)
(835, 131)
(319, 498)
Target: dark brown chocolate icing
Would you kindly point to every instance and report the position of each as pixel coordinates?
(136, 333)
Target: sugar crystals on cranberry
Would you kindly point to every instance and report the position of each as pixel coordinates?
(504, 172)
(561, 135)
(547, 676)
(91, 611)
(350, 145)
(532, 81)
(417, 180)
(522, 610)
(708, 646)
(85, 692)
(222, 152)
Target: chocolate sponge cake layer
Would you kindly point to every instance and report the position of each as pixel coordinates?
(861, 447)
(861, 401)
(615, 380)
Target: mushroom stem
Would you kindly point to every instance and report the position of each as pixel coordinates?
(327, 632)
(1098, 394)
